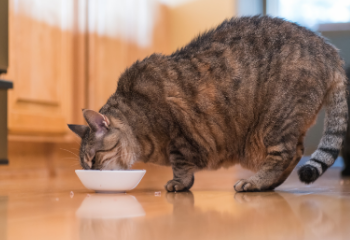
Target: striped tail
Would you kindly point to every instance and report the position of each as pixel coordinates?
(334, 133)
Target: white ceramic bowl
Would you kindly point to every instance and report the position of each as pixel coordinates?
(110, 180)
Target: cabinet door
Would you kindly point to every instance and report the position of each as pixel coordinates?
(40, 65)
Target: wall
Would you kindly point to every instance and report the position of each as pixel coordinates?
(188, 20)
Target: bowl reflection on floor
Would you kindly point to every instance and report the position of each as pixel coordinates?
(114, 206)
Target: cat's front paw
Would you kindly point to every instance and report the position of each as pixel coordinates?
(244, 185)
(175, 186)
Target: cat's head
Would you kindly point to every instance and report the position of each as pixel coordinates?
(106, 143)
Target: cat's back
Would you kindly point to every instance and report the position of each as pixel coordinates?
(259, 36)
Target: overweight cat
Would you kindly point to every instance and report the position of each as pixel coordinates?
(243, 93)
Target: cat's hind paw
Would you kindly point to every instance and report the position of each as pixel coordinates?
(244, 185)
(175, 186)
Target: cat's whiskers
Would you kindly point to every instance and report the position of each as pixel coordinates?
(74, 164)
(75, 140)
(70, 158)
(70, 152)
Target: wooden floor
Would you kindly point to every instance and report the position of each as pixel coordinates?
(61, 208)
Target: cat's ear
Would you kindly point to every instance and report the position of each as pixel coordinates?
(97, 122)
(78, 129)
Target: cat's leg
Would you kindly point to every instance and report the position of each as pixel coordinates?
(277, 166)
(296, 159)
(183, 179)
(183, 172)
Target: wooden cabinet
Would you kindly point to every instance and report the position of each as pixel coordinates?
(40, 66)
(62, 59)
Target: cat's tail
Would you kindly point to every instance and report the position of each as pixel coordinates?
(334, 131)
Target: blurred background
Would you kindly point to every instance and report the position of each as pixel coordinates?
(65, 55)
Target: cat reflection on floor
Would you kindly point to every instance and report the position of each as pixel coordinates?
(270, 215)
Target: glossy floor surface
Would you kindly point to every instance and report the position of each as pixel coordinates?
(61, 208)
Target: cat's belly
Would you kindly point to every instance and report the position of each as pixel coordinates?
(159, 160)
(216, 161)
(222, 164)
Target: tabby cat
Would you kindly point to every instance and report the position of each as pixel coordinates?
(245, 92)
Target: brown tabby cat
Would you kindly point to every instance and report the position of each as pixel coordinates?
(245, 92)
